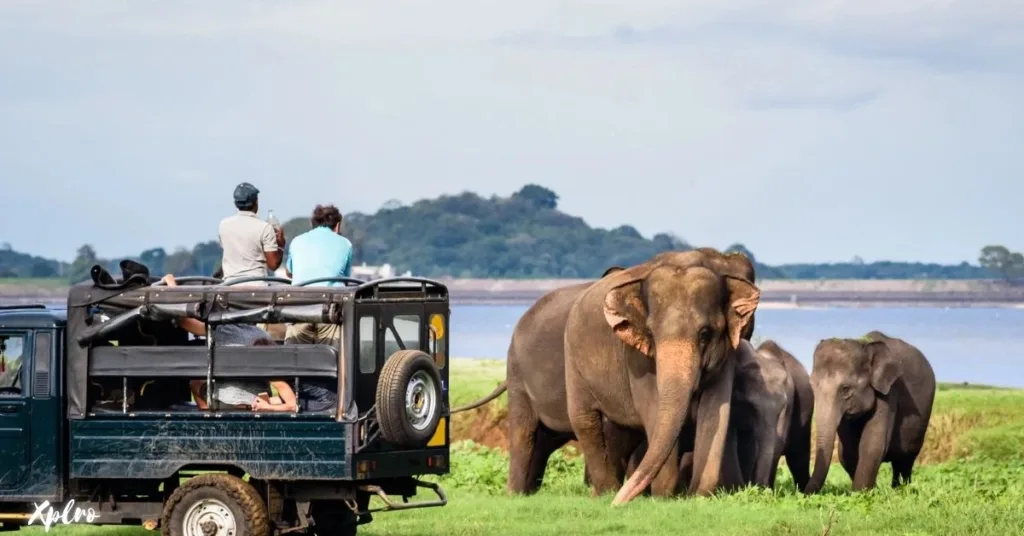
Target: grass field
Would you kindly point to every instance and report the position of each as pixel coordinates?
(32, 282)
(969, 480)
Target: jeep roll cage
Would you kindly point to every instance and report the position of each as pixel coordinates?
(98, 311)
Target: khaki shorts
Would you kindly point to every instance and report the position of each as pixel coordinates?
(313, 334)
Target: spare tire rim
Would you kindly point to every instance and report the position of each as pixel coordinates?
(209, 517)
(420, 400)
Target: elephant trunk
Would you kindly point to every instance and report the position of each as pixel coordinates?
(826, 420)
(764, 448)
(677, 370)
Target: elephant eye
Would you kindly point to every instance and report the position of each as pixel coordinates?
(704, 336)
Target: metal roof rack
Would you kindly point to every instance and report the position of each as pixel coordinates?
(348, 281)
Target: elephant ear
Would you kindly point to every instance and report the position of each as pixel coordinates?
(884, 369)
(739, 265)
(743, 299)
(611, 270)
(624, 309)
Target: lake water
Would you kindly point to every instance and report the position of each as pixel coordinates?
(963, 345)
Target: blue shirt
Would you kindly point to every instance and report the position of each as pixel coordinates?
(317, 253)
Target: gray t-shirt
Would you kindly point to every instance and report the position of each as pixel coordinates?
(245, 238)
(237, 392)
(237, 334)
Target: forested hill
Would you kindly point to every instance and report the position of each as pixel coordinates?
(520, 236)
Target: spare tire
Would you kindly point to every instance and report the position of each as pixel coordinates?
(409, 398)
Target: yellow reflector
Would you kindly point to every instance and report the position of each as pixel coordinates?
(437, 322)
(439, 438)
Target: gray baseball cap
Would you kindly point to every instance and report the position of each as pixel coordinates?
(246, 194)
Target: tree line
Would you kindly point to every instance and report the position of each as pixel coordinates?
(520, 236)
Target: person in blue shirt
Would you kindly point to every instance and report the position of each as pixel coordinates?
(319, 252)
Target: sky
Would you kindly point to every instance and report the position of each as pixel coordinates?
(808, 130)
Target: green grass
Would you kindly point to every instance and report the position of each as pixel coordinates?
(33, 282)
(472, 379)
(969, 480)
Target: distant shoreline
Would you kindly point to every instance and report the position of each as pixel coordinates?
(775, 294)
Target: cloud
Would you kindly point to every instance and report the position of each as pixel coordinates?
(942, 35)
(836, 103)
(795, 104)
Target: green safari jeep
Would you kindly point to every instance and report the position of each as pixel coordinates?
(99, 421)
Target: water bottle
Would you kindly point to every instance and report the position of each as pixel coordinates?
(272, 220)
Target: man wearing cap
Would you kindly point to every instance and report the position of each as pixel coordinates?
(252, 247)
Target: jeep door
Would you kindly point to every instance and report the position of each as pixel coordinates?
(382, 331)
(15, 432)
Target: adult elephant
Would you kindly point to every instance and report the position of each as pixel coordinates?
(798, 440)
(639, 344)
(876, 393)
(538, 422)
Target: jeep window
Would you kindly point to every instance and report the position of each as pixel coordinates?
(439, 331)
(367, 344)
(402, 334)
(11, 347)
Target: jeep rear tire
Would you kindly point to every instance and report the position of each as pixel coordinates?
(409, 399)
(213, 504)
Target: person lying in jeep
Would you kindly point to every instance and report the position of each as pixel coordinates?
(314, 394)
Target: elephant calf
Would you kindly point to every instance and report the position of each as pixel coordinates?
(876, 393)
(763, 396)
(798, 439)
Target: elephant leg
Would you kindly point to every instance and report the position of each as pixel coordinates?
(620, 442)
(685, 471)
(798, 456)
(523, 426)
(545, 444)
(874, 441)
(731, 472)
(588, 426)
(590, 434)
(901, 470)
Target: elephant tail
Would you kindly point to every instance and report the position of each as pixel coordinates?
(501, 388)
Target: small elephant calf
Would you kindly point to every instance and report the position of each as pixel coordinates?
(876, 393)
(763, 397)
(798, 438)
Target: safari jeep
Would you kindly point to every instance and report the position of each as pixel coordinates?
(99, 423)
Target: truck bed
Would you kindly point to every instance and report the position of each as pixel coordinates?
(279, 447)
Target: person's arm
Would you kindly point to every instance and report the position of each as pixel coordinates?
(193, 326)
(288, 263)
(288, 401)
(347, 270)
(273, 246)
(195, 386)
(190, 325)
